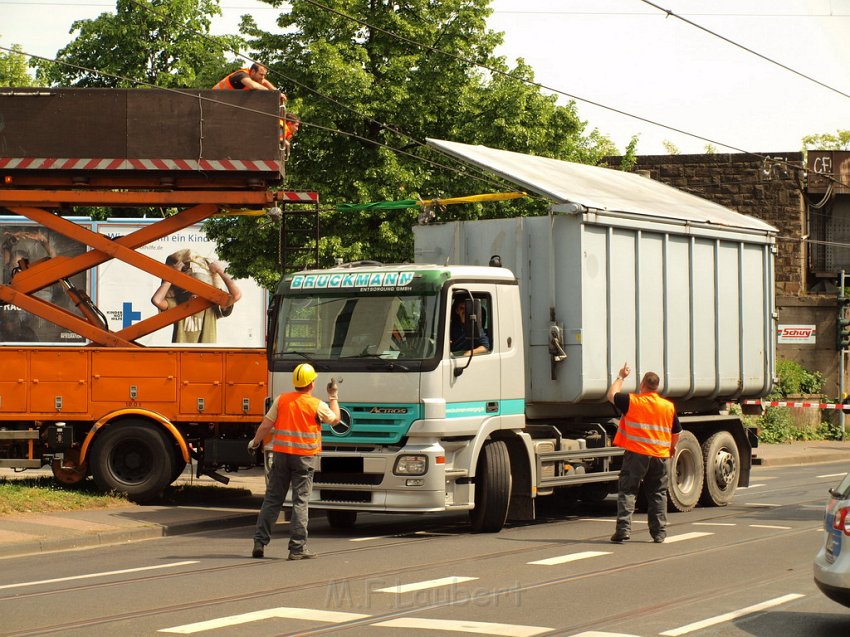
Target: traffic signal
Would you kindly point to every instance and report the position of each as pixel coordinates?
(842, 322)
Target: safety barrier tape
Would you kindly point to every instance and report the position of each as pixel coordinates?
(794, 403)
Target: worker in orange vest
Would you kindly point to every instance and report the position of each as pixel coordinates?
(288, 127)
(648, 431)
(295, 421)
(253, 79)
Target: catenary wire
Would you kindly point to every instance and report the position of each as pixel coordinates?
(464, 170)
(502, 73)
(747, 49)
(490, 182)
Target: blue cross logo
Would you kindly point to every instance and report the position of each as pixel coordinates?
(129, 315)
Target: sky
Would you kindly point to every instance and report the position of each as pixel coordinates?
(626, 56)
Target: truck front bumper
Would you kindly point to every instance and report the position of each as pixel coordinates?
(370, 480)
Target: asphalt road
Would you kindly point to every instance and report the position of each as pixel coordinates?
(741, 570)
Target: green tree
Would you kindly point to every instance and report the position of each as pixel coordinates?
(13, 68)
(160, 42)
(840, 140)
(345, 75)
(670, 147)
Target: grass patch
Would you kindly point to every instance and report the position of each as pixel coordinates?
(43, 495)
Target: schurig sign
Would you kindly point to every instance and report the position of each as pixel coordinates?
(796, 334)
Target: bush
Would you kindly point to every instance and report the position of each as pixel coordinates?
(793, 378)
(776, 424)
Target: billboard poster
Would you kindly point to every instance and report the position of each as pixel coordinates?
(25, 243)
(127, 295)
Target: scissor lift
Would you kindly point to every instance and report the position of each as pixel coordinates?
(130, 415)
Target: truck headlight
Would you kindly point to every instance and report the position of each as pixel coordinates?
(411, 465)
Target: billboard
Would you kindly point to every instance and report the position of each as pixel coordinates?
(126, 295)
(24, 243)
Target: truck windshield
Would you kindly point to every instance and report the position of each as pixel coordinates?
(328, 327)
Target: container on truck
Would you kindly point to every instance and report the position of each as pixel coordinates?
(621, 268)
(107, 405)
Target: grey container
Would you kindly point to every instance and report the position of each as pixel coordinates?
(628, 270)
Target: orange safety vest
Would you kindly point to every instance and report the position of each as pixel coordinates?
(225, 83)
(297, 430)
(647, 427)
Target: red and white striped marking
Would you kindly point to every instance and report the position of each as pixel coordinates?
(298, 195)
(84, 163)
(793, 403)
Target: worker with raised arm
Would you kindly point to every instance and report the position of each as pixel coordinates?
(295, 421)
(648, 431)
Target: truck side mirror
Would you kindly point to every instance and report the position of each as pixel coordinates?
(472, 328)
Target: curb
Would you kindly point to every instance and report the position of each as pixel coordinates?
(803, 458)
(124, 535)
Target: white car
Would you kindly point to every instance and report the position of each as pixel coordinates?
(832, 563)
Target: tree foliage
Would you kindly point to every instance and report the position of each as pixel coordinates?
(159, 42)
(840, 140)
(369, 100)
(13, 68)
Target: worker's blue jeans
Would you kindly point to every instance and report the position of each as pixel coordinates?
(654, 473)
(287, 470)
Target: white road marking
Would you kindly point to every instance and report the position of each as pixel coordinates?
(572, 557)
(719, 619)
(715, 524)
(761, 504)
(369, 539)
(434, 534)
(814, 506)
(610, 520)
(421, 586)
(771, 526)
(685, 536)
(309, 614)
(103, 574)
(461, 626)
(832, 475)
(752, 486)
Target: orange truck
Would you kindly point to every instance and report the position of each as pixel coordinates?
(130, 416)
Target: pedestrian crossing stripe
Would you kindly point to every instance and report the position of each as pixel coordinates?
(421, 586)
(310, 614)
(461, 626)
(572, 557)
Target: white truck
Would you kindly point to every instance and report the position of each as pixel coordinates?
(621, 269)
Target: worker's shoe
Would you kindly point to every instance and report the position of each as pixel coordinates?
(659, 539)
(259, 551)
(619, 537)
(303, 554)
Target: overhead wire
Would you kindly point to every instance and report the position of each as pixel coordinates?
(672, 14)
(540, 85)
(494, 70)
(506, 74)
(465, 170)
(123, 78)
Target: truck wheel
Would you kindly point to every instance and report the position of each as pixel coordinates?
(341, 520)
(492, 488)
(722, 465)
(686, 474)
(132, 458)
(595, 492)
